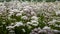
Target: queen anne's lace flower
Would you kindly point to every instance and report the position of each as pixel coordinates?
(10, 27)
(24, 17)
(34, 18)
(18, 14)
(34, 23)
(57, 12)
(52, 22)
(46, 27)
(18, 24)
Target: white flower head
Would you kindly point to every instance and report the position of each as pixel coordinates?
(15, 10)
(18, 24)
(9, 27)
(11, 13)
(34, 18)
(24, 17)
(56, 31)
(21, 11)
(33, 13)
(18, 14)
(26, 10)
(29, 23)
(46, 27)
(2, 8)
(34, 23)
(24, 4)
(52, 22)
(57, 12)
(1, 4)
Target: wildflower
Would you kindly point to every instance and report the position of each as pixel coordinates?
(11, 12)
(29, 23)
(52, 22)
(18, 14)
(56, 31)
(24, 4)
(15, 10)
(34, 18)
(34, 23)
(33, 13)
(26, 10)
(21, 11)
(57, 12)
(24, 17)
(46, 27)
(10, 27)
(18, 24)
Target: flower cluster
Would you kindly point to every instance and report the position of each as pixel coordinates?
(45, 30)
(22, 17)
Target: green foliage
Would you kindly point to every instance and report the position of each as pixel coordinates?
(41, 21)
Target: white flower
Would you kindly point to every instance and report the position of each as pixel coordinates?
(52, 22)
(2, 8)
(24, 17)
(10, 27)
(57, 12)
(34, 23)
(28, 7)
(26, 10)
(46, 27)
(15, 10)
(11, 12)
(29, 23)
(18, 24)
(1, 4)
(35, 29)
(34, 18)
(24, 4)
(21, 11)
(56, 31)
(56, 25)
(18, 14)
(23, 30)
(33, 13)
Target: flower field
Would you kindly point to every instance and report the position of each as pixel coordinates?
(29, 17)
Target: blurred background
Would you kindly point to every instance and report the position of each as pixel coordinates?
(33, 0)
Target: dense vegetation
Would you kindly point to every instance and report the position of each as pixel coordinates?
(29, 17)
